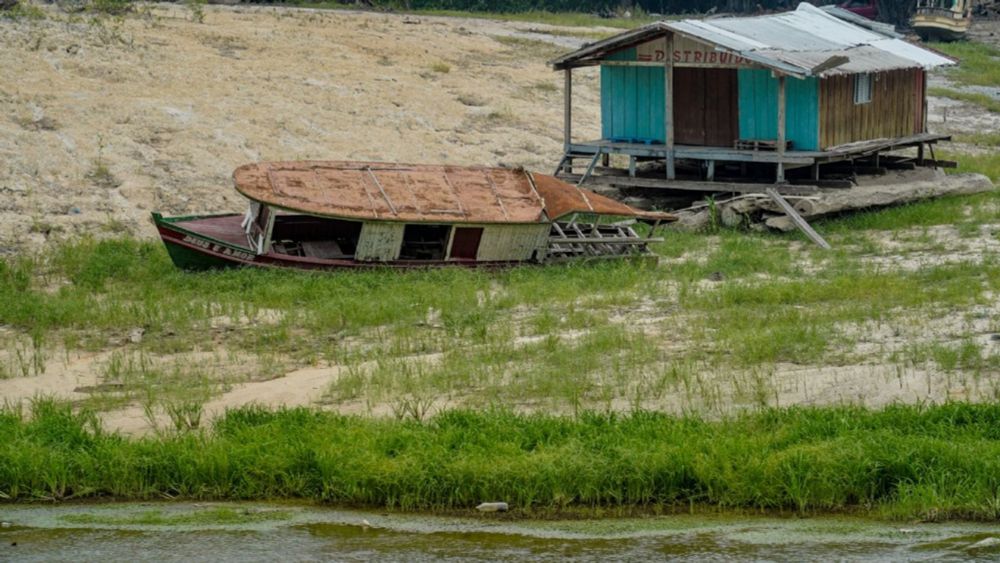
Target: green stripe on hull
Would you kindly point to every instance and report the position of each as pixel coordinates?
(189, 259)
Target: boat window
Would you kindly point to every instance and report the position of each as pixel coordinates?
(862, 88)
(424, 242)
(315, 237)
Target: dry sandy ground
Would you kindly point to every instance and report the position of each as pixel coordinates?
(170, 107)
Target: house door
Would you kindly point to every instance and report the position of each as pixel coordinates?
(705, 107)
(465, 243)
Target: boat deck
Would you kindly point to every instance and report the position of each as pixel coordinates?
(226, 228)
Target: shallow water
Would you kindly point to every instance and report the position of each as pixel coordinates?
(267, 532)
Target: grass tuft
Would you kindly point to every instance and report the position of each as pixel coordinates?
(900, 462)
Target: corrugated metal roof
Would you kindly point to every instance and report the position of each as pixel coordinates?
(791, 42)
(421, 192)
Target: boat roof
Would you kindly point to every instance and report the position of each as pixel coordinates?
(422, 192)
(807, 41)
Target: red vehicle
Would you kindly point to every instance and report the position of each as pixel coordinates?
(864, 8)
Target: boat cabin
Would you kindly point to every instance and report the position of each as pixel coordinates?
(942, 20)
(318, 214)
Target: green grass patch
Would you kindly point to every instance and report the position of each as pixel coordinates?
(525, 47)
(982, 100)
(202, 517)
(987, 164)
(937, 462)
(567, 19)
(989, 139)
(978, 62)
(23, 11)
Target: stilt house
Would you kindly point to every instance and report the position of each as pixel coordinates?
(790, 90)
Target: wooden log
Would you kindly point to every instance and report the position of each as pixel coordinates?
(826, 183)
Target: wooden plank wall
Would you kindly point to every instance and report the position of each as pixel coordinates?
(513, 242)
(379, 242)
(758, 93)
(893, 112)
(632, 102)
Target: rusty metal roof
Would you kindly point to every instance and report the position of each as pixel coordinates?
(421, 193)
(805, 42)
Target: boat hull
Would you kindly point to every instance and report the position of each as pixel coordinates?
(939, 28)
(191, 248)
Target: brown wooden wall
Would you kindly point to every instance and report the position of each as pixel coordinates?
(896, 109)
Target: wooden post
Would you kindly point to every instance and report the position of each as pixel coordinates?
(924, 116)
(781, 128)
(568, 110)
(668, 102)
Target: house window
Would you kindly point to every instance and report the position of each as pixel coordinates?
(862, 88)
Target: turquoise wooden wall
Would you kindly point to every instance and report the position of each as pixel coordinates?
(632, 100)
(759, 108)
(632, 104)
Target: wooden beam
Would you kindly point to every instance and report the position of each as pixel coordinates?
(568, 110)
(668, 103)
(718, 154)
(590, 169)
(689, 185)
(797, 219)
(781, 127)
(940, 163)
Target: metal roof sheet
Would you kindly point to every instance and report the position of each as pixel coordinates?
(421, 193)
(793, 42)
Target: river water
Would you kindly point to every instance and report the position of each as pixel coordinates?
(269, 532)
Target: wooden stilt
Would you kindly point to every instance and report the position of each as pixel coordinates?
(590, 169)
(668, 101)
(567, 109)
(781, 127)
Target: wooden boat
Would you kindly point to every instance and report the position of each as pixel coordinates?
(942, 20)
(328, 215)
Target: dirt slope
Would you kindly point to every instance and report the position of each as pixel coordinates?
(102, 122)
